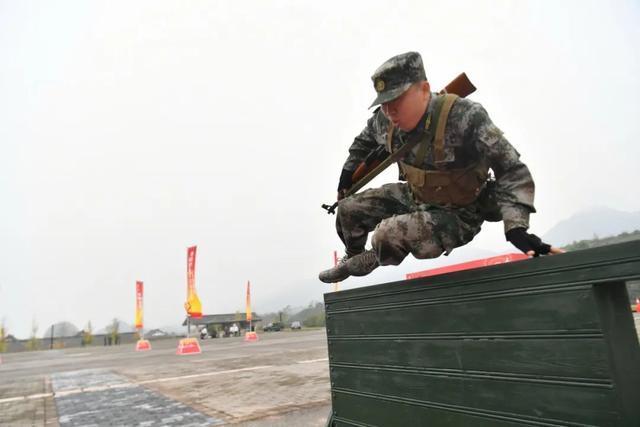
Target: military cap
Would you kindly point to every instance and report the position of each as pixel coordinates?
(396, 75)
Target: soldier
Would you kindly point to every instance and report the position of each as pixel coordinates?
(448, 193)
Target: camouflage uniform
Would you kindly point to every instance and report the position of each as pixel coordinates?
(400, 221)
(403, 225)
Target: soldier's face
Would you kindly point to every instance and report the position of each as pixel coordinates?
(406, 110)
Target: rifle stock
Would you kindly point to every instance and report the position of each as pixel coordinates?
(363, 169)
(460, 86)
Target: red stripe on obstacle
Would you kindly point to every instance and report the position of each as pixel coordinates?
(479, 263)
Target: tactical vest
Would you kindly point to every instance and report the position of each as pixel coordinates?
(456, 187)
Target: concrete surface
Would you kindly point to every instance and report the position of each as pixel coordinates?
(282, 380)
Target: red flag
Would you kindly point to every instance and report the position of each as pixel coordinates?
(248, 301)
(139, 309)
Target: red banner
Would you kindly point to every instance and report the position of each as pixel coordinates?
(193, 305)
(248, 301)
(139, 309)
(191, 270)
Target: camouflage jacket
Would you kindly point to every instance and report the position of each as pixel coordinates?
(469, 134)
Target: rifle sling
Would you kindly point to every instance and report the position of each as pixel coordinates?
(422, 150)
(393, 157)
(438, 143)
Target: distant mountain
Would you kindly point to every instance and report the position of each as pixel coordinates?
(312, 315)
(605, 241)
(597, 222)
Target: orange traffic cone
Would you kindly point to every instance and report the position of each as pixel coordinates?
(637, 305)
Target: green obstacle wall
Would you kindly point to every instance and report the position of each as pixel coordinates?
(542, 342)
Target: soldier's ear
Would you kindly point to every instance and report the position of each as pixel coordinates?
(426, 88)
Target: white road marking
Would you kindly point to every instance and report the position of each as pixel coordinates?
(12, 399)
(205, 374)
(125, 385)
(38, 396)
(313, 360)
(156, 380)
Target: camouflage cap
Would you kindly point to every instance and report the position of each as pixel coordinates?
(396, 75)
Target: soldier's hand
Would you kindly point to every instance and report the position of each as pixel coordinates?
(345, 183)
(530, 244)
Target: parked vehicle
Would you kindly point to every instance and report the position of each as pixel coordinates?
(273, 327)
(296, 325)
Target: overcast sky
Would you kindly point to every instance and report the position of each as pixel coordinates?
(131, 130)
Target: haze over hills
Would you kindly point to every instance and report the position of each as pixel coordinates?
(596, 222)
(599, 221)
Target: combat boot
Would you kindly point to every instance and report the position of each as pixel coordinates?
(363, 264)
(357, 265)
(337, 273)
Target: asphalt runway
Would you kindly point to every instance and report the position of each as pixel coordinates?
(281, 380)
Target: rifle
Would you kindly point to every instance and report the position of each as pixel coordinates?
(375, 163)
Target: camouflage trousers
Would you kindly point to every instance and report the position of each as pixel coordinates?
(401, 226)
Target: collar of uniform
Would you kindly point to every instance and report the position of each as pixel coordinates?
(418, 130)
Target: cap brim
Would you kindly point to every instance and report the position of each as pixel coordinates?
(390, 95)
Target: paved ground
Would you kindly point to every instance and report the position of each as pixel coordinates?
(282, 380)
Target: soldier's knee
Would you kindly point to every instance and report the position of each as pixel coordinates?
(427, 249)
(427, 243)
(387, 244)
(383, 234)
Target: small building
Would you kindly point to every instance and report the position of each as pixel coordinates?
(218, 325)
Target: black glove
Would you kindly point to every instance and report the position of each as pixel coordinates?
(345, 180)
(527, 242)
